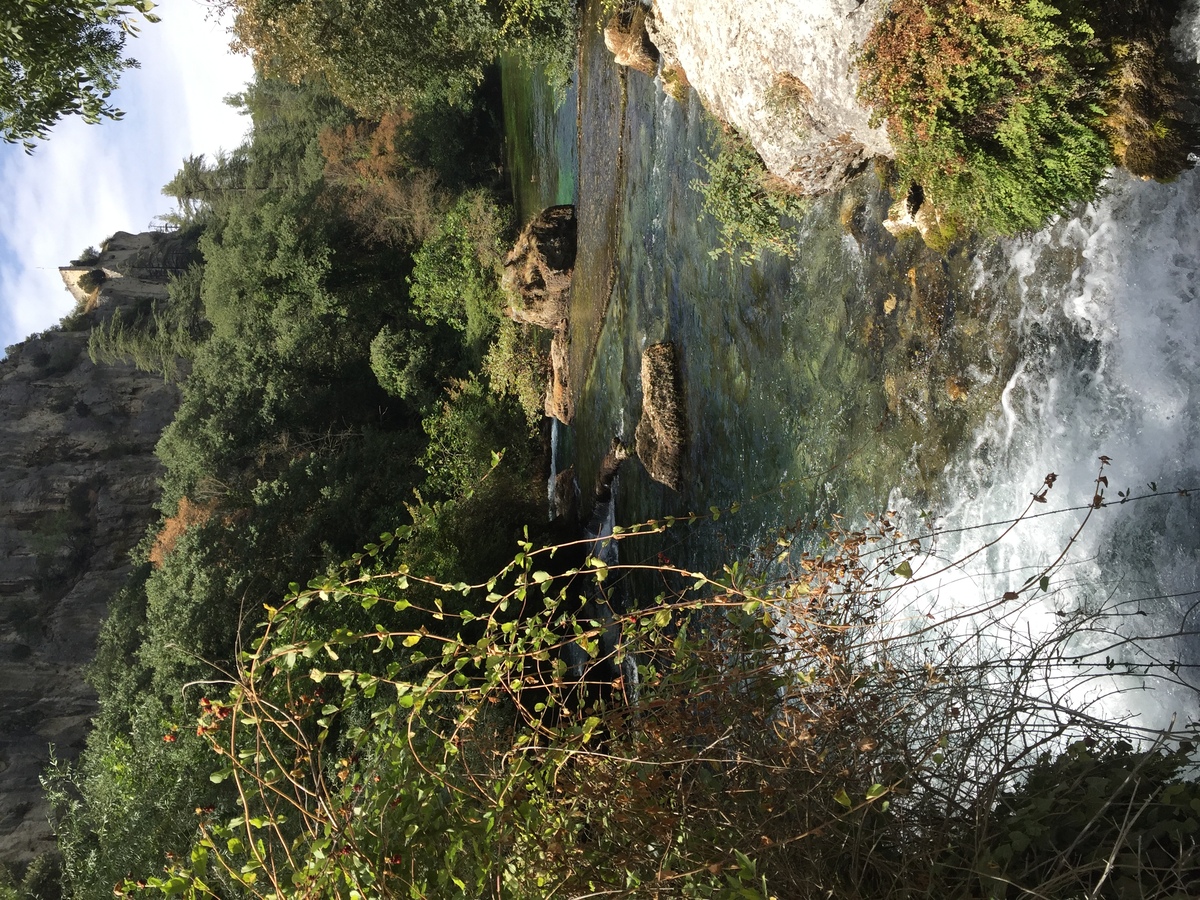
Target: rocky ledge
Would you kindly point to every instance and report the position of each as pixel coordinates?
(537, 279)
(779, 71)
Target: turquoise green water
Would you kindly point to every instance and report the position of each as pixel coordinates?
(812, 387)
(870, 369)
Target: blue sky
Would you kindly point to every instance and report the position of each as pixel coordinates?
(89, 181)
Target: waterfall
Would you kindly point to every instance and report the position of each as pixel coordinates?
(1109, 366)
(555, 425)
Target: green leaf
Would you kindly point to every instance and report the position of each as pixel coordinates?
(904, 570)
(1044, 583)
(411, 640)
(843, 798)
(875, 791)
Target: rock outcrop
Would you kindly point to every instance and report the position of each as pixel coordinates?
(781, 73)
(661, 436)
(78, 483)
(538, 270)
(559, 402)
(627, 40)
(912, 214)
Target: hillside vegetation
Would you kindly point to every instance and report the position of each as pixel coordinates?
(349, 662)
(1007, 112)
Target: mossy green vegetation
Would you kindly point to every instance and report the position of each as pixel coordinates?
(1007, 112)
(756, 211)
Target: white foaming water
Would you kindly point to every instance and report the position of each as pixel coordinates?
(1109, 365)
(555, 425)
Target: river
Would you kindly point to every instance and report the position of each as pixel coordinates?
(873, 373)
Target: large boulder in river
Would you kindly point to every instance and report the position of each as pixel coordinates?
(626, 38)
(537, 271)
(782, 73)
(559, 404)
(661, 436)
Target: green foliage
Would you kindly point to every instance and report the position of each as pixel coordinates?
(1100, 820)
(130, 798)
(59, 58)
(516, 366)
(157, 336)
(401, 362)
(456, 273)
(89, 256)
(414, 53)
(41, 880)
(199, 186)
(998, 109)
(463, 434)
(749, 205)
(91, 280)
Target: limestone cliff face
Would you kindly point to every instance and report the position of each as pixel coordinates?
(780, 71)
(78, 480)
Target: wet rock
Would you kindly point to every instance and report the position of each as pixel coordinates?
(565, 503)
(538, 270)
(610, 466)
(913, 214)
(956, 388)
(559, 401)
(661, 436)
(626, 38)
(675, 82)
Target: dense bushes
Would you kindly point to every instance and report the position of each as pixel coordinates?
(1008, 111)
(375, 55)
(750, 736)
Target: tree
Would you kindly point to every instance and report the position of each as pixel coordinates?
(376, 54)
(60, 58)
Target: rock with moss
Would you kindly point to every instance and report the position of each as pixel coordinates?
(913, 214)
(538, 270)
(626, 37)
(559, 401)
(662, 435)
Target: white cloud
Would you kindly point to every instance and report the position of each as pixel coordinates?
(88, 181)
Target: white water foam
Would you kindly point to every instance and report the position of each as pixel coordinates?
(1109, 365)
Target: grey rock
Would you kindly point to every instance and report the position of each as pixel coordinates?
(78, 484)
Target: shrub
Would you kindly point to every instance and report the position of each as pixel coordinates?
(456, 273)
(91, 280)
(402, 364)
(748, 203)
(768, 732)
(516, 366)
(89, 256)
(991, 105)
(1009, 111)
